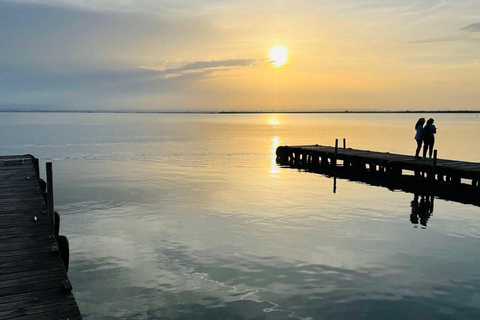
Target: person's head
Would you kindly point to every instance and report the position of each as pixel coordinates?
(429, 121)
(420, 122)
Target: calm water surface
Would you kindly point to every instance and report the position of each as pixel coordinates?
(189, 217)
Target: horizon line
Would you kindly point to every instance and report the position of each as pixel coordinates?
(239, 112)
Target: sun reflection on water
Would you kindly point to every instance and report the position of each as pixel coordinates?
(274, 122)
(273, 157)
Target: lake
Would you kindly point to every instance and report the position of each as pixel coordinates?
(188, 216)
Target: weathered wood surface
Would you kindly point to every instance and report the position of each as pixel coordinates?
(33, 281)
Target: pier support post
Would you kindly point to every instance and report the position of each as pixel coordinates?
(344, 143)
(336, 153)
(335, 167)
(35, 165)
(50, 208)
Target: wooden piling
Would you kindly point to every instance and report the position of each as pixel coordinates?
(50, 203)
(50, 206)
(336, 153)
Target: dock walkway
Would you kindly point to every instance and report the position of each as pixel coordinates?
(33, 279)
(440, 170)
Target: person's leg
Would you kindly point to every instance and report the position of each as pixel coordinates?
(419, 147)
(425, 147)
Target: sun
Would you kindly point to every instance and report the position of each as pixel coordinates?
(278, 56)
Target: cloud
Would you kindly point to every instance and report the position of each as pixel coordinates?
(44, 86)
(53, 54)
(441, 39)
(142, 79)
(202, 66)
(57, 36)
(474, 27)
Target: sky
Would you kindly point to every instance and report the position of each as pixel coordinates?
(212, 55)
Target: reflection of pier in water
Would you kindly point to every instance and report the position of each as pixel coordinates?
(387, 171)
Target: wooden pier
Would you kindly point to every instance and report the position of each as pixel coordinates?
(33, 257)
(441, 171)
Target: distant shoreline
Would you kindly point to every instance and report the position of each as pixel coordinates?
(244, 112)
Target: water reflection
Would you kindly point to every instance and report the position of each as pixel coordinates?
(274, 121)
(274, 170)
(421, 210)
(188, 217)
(459, 193)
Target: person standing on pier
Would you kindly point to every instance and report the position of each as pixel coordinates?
(419, 136)
(428, 138)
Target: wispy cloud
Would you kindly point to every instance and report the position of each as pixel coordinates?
(202, 66)
(474, 27)
(458, 36)
(450, 38)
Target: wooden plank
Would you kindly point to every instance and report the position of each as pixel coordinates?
(58, 277)
(47, 260)
(61, 312)
(44, 311)
(22, 220)
(7, 301)
(29, 287)
(30, 266)
(39, 236)
(32, 228)
(32, 301)
(23, 244)
(32, 253)
(11, 207)
(33, 232)
(31, 274)
(15, 156)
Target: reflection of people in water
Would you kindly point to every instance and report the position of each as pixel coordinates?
(421, 211)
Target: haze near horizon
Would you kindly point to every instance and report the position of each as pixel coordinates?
(240, 55)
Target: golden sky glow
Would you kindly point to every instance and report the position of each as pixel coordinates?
(186, 55)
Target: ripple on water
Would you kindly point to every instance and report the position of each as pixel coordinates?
(100, 205)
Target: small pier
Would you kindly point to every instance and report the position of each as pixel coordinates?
(34, 258)
(347, 161)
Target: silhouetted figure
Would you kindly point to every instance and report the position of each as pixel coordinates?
(428, 138)
(419, 135)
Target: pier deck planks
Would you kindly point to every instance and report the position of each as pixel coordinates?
(462, 169)
(31, 275)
